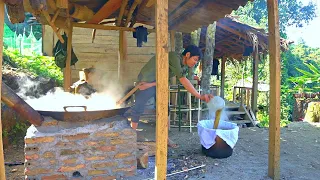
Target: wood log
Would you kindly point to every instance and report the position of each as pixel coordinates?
(149, 146)
(142, 159)
(15, 12)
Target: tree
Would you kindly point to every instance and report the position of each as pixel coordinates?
(291, 13)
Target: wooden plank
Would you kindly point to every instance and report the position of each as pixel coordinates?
(223, 76)
(162, 78)
(67, 75)
(2, 169)
(254, 93)
(275, 69)
(107, 9)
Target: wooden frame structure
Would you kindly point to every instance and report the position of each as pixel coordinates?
(181, 16)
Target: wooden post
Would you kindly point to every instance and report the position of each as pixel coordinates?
(162, 77)
(275, 78)
(122, 55)
(67, 74)
(223, 76)
(254, 93)
(2, 169)
(207, 62)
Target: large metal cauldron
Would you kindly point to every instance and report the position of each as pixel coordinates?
(11, 99)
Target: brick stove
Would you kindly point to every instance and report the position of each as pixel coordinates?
(100, 149)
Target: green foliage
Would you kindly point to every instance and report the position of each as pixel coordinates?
(39, 65)
(291, 13)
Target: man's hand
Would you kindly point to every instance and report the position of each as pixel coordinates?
(145, 85)
(206, 97)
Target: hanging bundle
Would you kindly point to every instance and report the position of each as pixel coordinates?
(60, 53)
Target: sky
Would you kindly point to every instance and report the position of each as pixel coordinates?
(309, 33)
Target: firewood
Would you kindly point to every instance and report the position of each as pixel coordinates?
(142, 159)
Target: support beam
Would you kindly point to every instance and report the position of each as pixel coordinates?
(174, 23)
(122, 8)
(122, 55)
(275, 79)
(107, 9)
(150, 3)
(162, 78)
(103, 27)
(2, 169)
(67, 74)
(53, 26)
(132, 8)
(223, 76)
(254, 94)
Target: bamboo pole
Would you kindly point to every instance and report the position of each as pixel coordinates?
(162, 77)
(67, 75)
(2, 169)
(275, 78)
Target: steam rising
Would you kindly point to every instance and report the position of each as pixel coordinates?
(109, 92)
(55, 101)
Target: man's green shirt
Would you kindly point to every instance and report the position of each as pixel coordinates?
(176, 68)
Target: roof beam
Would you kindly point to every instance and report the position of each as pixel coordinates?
(107, 9)
(227, 28)
(174, 23)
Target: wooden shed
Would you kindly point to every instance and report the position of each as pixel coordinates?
(178, 15)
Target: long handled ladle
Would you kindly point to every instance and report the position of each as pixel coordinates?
(128, 95)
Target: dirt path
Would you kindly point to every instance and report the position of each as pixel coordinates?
(300, 147)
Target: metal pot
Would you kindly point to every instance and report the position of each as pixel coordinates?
(80, 116)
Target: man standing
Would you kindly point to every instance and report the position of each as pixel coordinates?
(178, 66)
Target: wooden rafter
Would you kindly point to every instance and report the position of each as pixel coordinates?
(103, 27)
(107, 9)
(186, 15)
(122, 8)
(140, 8)
(53, 26)
(150, 3)
(55, 15)
(132, 8)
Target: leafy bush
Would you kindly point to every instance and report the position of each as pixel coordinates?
(39, 65)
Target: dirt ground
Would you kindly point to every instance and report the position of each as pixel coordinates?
(299, 160)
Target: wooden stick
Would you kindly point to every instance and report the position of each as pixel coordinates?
(48, 18)
(132, 8)
(162, 90)
(93, 34)
(2, 169)
(56, 14)
(103, 27)
(217, 119)
(123, 6)
(62, 4)
(275, 78)
(105, 11)
(128, 95)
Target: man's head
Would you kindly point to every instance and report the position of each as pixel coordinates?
(191, 55)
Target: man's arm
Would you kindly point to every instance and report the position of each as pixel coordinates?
(189, 87)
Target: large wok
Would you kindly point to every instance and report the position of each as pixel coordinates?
(80, 116)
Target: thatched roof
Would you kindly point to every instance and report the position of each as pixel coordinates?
(234, 39)
(184, 15)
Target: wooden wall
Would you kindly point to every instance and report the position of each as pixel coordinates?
(103, 53)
